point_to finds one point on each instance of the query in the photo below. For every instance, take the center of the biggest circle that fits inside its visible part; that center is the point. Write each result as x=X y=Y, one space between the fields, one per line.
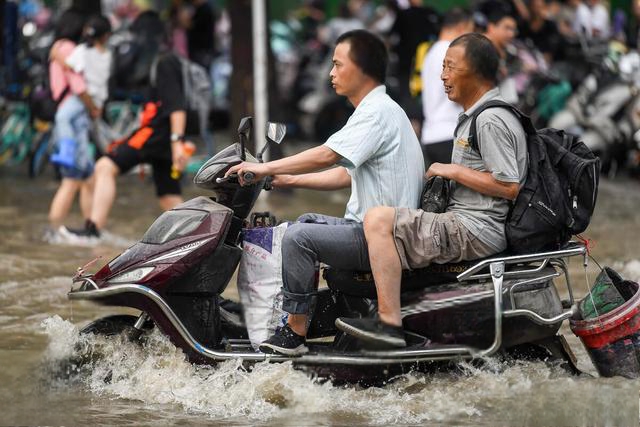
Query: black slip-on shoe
x=285 y=342
x=90 y=230
x=372 y=330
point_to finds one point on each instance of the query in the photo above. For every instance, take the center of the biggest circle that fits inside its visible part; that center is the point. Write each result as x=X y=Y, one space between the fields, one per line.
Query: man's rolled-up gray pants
x=338 y=242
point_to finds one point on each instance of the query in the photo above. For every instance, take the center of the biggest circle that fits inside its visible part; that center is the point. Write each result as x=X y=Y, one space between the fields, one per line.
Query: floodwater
x=154 y=385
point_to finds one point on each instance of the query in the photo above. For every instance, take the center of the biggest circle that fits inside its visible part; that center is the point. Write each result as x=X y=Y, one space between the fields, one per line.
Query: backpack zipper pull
x=575 y=202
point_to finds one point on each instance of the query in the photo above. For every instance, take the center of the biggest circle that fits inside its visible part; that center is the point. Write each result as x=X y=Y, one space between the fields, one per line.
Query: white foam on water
x=107 y=238
x=66 y=336
x=631 y=270
x=156 y=373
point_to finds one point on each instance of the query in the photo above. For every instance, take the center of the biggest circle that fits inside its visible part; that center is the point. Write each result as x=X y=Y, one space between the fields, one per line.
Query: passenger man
x=378 y=156
x=482 y=184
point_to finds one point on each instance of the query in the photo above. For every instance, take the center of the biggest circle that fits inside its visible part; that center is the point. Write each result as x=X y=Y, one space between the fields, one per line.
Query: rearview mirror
x=243 y=133
x=245 y=126
x=276 y=132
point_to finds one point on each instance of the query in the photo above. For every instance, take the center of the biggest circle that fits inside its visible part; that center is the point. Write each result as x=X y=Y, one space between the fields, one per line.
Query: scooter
x=603 y=111
x=177 y=271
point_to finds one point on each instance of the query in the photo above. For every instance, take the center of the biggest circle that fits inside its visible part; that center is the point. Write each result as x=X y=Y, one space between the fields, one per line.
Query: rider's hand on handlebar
x=259 y=170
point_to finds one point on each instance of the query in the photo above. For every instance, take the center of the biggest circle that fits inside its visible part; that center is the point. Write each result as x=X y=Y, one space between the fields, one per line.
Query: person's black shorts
x=126 y=157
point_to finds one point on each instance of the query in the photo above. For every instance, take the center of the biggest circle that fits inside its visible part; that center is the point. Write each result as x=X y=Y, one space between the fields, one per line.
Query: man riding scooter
x=378 y=156
x=482 y=184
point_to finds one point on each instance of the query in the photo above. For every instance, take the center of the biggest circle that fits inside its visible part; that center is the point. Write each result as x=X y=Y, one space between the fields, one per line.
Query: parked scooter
x=177 y=271
x=603 y=111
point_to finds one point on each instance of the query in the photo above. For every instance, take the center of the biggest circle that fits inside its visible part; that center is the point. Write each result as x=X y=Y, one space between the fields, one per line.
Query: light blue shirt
x=381 y=152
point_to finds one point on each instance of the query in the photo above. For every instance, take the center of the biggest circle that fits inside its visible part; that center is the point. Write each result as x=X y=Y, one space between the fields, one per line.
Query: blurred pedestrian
x=93 y=59
x=440 y=114
x=502 y=29
x=633 y=25
x=600 y=20
x=581 y=19
x=71 y=127
x=413 y=25
x=542 y=31
x=200 y=34
x=159 y=141
x=180 y=20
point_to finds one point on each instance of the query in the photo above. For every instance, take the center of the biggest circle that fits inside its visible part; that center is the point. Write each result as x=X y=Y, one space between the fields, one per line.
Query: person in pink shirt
x=71 y=128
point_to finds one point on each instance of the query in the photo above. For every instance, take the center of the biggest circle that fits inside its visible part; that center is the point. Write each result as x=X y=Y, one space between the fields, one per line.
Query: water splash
x=156 y=372
x=107 y=238
x=631 y=270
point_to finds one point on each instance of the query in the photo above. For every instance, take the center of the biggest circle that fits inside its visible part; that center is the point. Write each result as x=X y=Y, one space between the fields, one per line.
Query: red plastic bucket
x=613 y=339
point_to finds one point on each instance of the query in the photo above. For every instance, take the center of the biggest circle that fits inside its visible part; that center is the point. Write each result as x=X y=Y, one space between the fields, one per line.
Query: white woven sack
x=260 y=281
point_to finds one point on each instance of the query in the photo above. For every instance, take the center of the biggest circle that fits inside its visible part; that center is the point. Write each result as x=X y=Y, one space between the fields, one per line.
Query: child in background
x=93 y=59
x=86 y=69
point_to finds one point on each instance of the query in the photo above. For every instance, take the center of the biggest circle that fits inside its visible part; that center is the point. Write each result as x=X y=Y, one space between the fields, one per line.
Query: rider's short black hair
x=368 y=52
x=481 y=55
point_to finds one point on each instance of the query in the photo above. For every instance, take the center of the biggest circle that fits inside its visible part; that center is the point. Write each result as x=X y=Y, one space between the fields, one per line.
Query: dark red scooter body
x=177 y=271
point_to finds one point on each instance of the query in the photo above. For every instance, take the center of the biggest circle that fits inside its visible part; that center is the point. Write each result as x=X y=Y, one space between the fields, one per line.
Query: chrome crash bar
x=352 y=359
x=497 y=273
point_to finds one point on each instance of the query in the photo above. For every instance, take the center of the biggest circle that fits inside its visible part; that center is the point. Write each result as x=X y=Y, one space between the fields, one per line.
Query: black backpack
x=560 y=191
x=42 y=103
x=196 y=85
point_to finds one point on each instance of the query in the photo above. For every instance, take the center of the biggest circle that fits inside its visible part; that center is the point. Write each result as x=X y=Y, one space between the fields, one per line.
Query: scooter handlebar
x=226 y=178
x=267 y=183
x=248 y=177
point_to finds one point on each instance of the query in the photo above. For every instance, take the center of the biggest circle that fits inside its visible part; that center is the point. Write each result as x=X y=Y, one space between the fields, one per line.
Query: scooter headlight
x=132 y=276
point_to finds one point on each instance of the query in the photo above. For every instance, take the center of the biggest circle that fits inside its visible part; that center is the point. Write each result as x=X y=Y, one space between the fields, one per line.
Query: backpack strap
x=524 y=120
x=64 y=93
x=153 y=71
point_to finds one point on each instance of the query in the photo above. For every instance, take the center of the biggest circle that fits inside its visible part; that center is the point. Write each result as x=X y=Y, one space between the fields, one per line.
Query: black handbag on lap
x=435 y=195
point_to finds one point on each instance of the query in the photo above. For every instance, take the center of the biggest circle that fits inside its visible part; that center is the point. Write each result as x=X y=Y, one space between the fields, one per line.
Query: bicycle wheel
x=16 y=135
x=9 y=137
x=39 y=157
x=22 y=149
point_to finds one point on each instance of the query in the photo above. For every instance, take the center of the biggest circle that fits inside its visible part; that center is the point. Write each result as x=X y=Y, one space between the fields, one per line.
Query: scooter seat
x=361 y=284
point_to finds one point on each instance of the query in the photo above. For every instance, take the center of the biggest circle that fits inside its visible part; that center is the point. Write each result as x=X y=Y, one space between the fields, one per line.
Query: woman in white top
x=91 y=62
